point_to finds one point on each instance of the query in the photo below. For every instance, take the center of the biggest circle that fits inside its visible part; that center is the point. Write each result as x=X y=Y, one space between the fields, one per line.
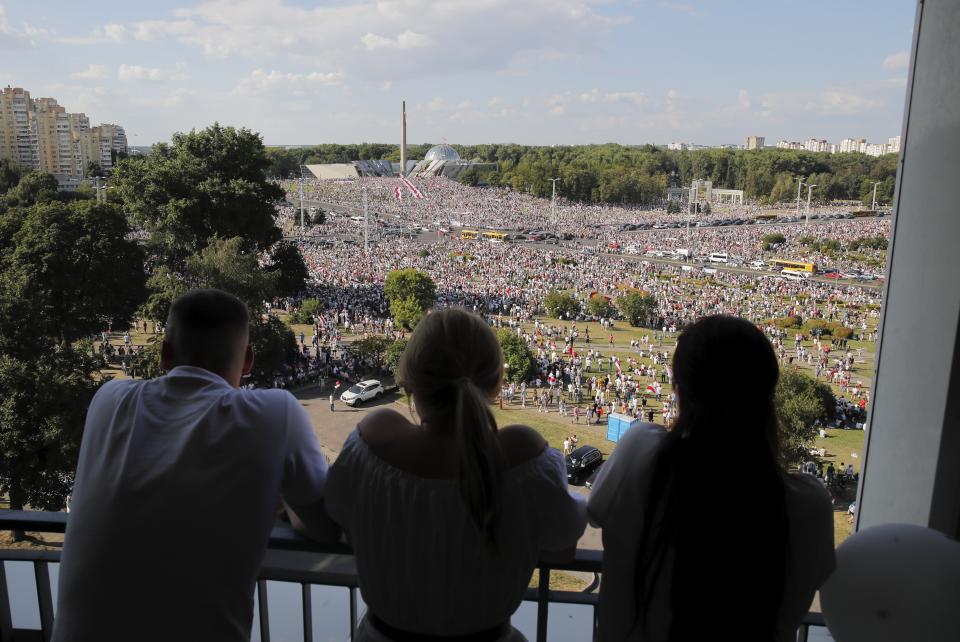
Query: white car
x=362 y=391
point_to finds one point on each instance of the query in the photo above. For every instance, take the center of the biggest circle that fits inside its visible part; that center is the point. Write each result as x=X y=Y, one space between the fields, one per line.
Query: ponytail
x=479 y=460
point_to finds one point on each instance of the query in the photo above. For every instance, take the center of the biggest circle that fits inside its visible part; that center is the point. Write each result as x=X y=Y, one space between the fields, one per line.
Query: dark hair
x=727 y=537
x=453 y=366
x=204 y=328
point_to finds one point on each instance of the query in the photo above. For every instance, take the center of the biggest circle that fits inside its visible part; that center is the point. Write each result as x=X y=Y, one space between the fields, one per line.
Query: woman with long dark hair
x=448 y=516
x=705 y=536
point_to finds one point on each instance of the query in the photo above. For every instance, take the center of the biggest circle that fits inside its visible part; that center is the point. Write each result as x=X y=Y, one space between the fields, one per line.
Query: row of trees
x=637 y=174
x=638 y=308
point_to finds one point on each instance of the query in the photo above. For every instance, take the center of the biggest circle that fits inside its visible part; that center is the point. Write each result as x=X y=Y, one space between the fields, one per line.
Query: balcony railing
x=294 y=559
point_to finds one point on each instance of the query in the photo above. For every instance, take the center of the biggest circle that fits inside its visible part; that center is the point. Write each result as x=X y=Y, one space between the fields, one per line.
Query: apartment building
x=754 y=142
x=40 y=134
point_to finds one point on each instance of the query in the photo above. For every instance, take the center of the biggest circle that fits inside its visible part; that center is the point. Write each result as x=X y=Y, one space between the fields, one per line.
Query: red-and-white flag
x=413 y=190
x=398 y=193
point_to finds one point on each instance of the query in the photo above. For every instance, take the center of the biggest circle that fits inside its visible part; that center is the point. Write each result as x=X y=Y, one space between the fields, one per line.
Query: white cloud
x=92 y=72
x=406 y=40
x=558 y=104
x=449 y=37
x=260 y=82
x=743 y=100
x=899 y=60
x=824 y=102
x=687 y=9
x=114 y=32
x=134 y=73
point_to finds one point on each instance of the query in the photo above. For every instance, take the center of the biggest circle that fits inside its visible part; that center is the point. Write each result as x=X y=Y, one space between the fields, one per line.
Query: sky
x=545 y=72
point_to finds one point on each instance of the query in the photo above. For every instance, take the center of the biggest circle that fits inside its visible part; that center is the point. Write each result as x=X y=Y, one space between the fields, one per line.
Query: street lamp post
x=799 y=186
x=553 y=208
x=874 y=206
x=809 y=194
x=301 y=200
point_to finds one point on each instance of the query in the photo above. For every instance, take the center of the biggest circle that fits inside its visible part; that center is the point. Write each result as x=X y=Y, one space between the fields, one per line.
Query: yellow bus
x=468 y=235
x=797 y=266
x=495 y=237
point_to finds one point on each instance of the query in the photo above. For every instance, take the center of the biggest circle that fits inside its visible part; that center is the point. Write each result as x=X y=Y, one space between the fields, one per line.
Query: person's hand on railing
x=312 y=521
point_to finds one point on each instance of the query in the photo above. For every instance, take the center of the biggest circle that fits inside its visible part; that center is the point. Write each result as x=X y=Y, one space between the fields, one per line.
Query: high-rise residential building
x=40 y=134
x=17 y=143
x=753 y=142
x=893 y=145
x=853 y=145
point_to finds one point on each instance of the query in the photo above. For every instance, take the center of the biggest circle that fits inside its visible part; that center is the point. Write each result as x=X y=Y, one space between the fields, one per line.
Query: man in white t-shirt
x=178 y=487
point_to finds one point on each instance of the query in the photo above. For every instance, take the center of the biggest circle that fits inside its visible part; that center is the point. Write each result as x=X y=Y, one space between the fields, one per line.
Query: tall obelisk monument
x=403 y=138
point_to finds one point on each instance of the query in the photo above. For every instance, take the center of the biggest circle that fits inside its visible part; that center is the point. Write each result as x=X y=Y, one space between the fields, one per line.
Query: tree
x=226 y=265
x=308 y=310
x=409 y=292
x=70 y=269
x=289 y=269
x=273 y=346
x=517 y=358
x=209 y=183
x=9 y=175
x=561 y=305
x=406 y=312
x=410 y=283
x=370 y=352
x=163 y=287
x=42 y=410
x=775 y=238
x=637 y=308
x=801 y=402
x=34 y=187
x=600 y=306
x=391 y=358
x=93 y=169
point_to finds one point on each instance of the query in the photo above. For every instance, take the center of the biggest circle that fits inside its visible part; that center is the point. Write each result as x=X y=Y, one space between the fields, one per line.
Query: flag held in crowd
x=413 y=190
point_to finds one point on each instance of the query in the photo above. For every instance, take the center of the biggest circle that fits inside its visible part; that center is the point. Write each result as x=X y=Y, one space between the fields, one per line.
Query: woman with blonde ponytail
x=448 y=516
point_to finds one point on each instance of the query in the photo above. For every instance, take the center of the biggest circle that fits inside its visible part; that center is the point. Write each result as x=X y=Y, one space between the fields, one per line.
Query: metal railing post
x=307 y=613
x=353 y=613
x=263 y=610
x=41 y=572
x=6 y=618
x=543 y=600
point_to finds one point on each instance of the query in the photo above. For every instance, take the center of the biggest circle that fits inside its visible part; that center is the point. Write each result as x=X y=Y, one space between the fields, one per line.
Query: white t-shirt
x=617 y=504
x=176 y=492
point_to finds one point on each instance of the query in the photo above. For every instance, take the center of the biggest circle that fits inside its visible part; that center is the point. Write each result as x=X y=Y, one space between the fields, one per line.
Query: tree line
x=636 y=175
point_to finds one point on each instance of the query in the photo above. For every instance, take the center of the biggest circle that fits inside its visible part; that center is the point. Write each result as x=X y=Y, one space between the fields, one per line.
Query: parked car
x=362 y=391
x=593 y=477
x=583 y=461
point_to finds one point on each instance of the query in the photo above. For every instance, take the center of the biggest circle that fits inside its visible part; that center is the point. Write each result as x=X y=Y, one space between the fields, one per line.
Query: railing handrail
x=284 y=538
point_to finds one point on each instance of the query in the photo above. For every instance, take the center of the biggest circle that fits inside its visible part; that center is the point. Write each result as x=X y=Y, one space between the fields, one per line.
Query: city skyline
x=563 y=72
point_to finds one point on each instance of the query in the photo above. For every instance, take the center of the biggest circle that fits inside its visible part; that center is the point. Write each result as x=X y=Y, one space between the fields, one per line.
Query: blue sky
x=471 y=71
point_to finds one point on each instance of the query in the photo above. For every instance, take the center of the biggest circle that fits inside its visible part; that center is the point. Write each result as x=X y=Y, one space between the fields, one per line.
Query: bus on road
x=797 y=266
x=496 y=237
x=468 y=235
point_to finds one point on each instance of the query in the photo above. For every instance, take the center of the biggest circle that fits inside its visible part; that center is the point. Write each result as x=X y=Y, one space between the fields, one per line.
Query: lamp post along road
x=301 y=200
x=809 y=194
x=553 y=208
x=874 y=206
x=799 y=186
